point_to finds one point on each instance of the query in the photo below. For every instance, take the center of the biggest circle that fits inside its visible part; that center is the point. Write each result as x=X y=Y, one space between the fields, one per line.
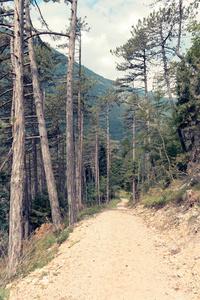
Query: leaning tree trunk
x=53 y=197
x=108 y=156
x=69 y=118
x=17 y=175
x=134 y=199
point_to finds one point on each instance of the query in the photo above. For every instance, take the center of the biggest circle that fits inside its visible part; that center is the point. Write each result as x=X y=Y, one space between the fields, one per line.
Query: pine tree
x=69 y=117
x=18 y=170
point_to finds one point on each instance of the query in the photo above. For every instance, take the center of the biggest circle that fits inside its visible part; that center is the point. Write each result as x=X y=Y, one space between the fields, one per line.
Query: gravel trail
x=109 y=256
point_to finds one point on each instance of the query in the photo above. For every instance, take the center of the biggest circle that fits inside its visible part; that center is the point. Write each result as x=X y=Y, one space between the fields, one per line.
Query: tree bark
x=151 y=160
x=97 y=185
x=134 y=199
x=179 y=29
x=80 y=137
x=42 y=174
x=108 y=155
x=34 y=153
x=17 y=175
x=53 y=198
x=69 y=118
x=26 y=203
x=165 y=150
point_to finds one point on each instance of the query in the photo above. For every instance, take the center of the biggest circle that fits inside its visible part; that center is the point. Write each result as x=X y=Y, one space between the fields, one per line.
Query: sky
x=110 y=24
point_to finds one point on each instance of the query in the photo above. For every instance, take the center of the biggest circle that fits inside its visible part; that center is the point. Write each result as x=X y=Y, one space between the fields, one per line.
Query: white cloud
x=110 y=22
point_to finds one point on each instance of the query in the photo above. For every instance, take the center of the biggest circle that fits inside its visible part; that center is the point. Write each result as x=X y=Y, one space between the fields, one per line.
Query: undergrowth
x=4 y=294
x=113 y=203
x=89 y=211
x=159 y=198
x=38 y=251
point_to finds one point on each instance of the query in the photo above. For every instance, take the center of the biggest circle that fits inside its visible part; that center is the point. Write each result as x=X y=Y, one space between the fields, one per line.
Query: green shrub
x=113 y=203
x=38 y=253
x=89 y=211
x=4 y=294
x=155 y=201
x=163 y=197
x=64 y=236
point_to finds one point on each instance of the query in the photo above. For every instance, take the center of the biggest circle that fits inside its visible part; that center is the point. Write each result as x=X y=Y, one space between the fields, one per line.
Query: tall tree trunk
x=30 y=179
x=166 y=73
x=53 y=197
x=97 y=185
x=26 y=203
x=108 y=155
x=63 y=182
x=42 y=174
x=85 y=184
x=138 y=184
x=34 y=152
x=167 y=80
x=69 y=118
x=17 y=175
x=165 y=150
x=151 y=160
x=134 y=199
x=14 y=83
x=80 y=137
x=58 y=156
x=179 y=29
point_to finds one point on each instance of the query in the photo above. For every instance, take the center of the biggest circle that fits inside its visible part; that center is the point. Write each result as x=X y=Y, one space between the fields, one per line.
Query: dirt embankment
x=119 y=254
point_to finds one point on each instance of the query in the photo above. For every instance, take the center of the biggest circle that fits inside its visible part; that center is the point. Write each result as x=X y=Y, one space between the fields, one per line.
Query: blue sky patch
x=92 y=3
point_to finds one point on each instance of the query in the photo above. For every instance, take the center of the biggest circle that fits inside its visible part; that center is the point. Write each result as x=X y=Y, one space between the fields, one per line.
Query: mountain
x=99 y=89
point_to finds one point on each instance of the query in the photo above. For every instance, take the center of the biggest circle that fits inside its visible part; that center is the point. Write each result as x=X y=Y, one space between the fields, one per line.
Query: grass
x=155 y=201
x=38 y=254
x=4 y=294
x=175 y=194
x=40 y=250
x=89 y=211
x=64 y=236
x=43 y=274
x=113 y=203
x=93 y=210
x=123 y=194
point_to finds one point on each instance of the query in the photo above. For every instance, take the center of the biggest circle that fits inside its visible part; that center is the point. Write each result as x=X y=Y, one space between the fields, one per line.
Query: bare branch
x=4 y=32
x=3 y=76
x=5 y=103
x=43 y=20
x=40 y=33
x=32 y=137
x=7 y=158
x=10 y=90
x=7 y=14
x=27 y=95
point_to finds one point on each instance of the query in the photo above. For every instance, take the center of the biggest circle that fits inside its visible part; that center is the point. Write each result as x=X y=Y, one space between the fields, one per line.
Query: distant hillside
x=116 y=126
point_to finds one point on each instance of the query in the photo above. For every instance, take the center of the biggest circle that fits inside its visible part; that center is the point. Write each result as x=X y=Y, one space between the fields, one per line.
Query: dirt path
x=110 y=256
